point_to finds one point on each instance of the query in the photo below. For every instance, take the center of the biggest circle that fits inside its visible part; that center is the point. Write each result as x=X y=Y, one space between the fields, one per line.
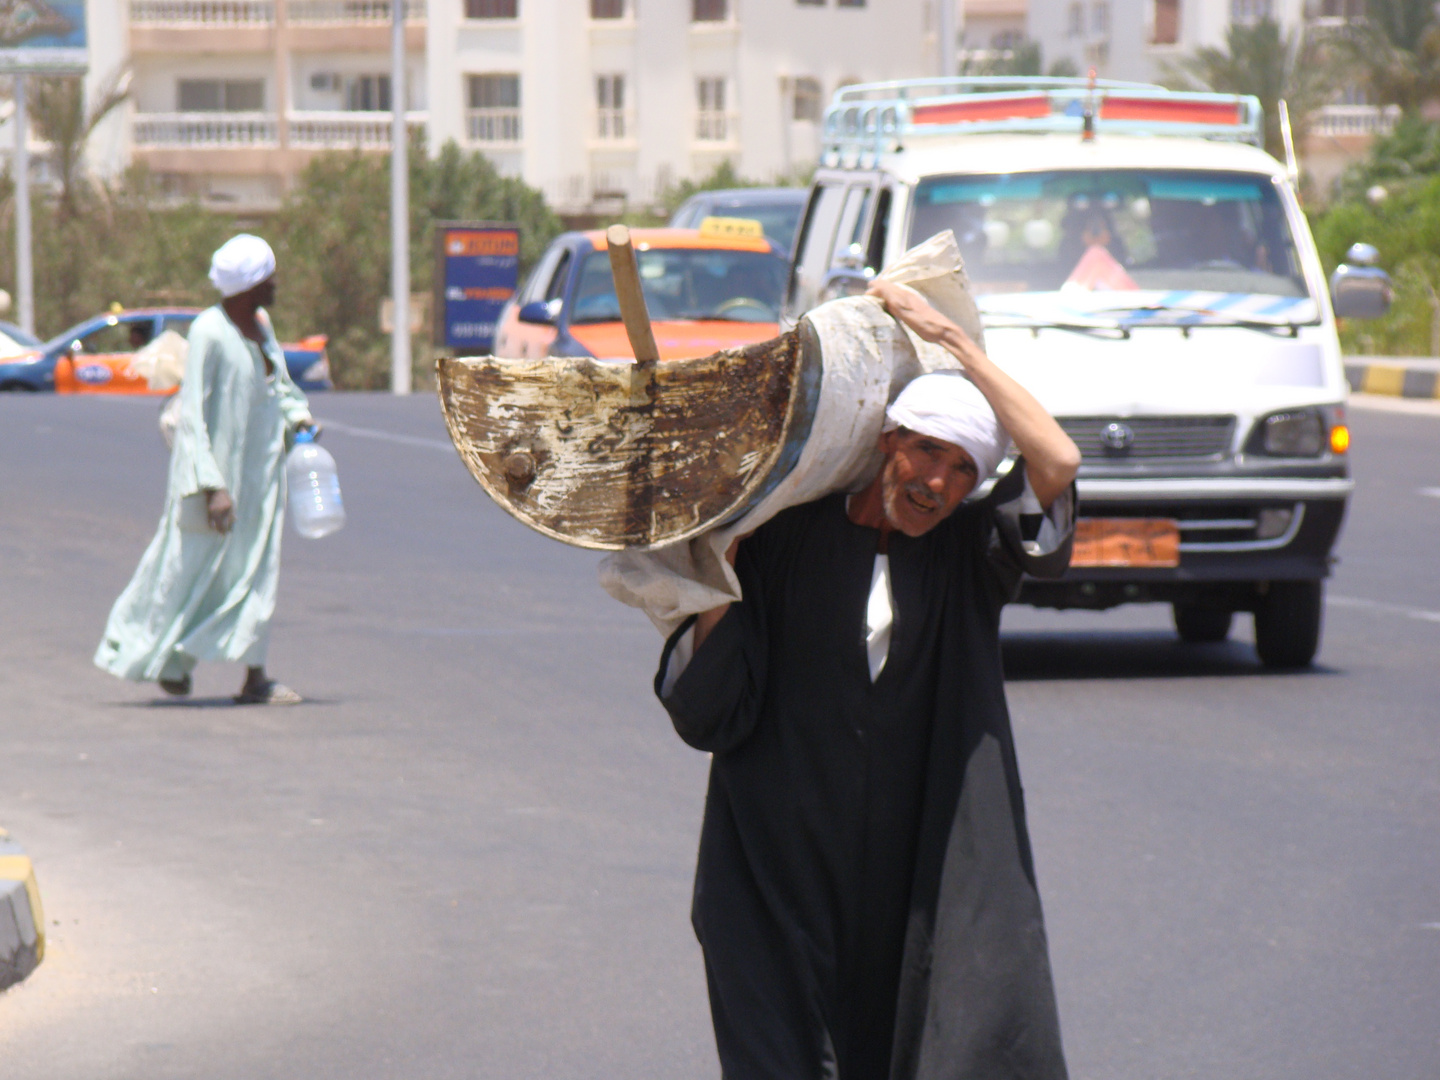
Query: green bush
x=1405 y=228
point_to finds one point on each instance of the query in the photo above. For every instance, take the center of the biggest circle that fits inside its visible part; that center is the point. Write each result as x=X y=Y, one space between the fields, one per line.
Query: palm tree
x=1395 y=51
x=1260 y=59
x=60 y=118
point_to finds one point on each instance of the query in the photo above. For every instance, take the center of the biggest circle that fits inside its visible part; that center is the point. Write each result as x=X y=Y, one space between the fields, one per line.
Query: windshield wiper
x=1007 y=320
x=1210 y=317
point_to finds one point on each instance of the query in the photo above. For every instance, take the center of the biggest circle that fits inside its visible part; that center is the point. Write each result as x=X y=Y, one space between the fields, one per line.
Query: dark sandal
x=176 y=687
x=268 y=693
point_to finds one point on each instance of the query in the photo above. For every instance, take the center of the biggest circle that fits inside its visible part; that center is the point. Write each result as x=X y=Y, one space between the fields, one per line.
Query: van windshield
x=1119 y=231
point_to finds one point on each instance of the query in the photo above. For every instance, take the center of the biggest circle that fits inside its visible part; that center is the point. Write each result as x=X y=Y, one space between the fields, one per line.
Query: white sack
x=868 y=359
x=161 y=362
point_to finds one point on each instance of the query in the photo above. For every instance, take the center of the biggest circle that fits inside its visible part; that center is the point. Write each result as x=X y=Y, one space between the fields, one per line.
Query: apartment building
x=599 y=103
x=604 y=102
x=229 y=99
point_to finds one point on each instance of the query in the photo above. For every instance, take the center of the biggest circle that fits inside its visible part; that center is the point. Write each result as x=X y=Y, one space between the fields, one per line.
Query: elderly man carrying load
x=865 y=897
x=205 y=587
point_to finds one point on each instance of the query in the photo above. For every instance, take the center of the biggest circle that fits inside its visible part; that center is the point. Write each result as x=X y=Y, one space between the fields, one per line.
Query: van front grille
x=1149 y=438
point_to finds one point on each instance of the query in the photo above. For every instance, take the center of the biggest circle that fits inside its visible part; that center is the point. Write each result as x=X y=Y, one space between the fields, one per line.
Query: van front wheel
x=1287 y=623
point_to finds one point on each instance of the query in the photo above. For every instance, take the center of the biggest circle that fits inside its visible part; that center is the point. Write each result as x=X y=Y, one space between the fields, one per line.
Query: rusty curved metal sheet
x=620 y=455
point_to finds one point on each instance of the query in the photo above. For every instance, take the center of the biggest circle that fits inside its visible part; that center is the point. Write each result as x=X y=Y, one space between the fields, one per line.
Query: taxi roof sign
x=732 y=228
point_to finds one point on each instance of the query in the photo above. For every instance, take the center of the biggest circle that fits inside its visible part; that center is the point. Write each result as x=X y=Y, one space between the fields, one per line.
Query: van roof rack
x=869 y=119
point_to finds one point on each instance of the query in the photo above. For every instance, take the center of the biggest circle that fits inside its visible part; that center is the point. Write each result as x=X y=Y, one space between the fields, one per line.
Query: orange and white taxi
x=707 y=289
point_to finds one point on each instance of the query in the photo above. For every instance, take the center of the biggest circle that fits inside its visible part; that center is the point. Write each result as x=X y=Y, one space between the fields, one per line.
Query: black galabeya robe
x=865 y=896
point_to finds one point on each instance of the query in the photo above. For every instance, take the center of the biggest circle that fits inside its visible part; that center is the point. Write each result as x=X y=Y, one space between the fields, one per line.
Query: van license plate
x=1126 y=542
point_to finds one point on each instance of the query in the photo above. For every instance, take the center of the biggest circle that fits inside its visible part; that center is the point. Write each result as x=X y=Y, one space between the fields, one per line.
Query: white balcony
x=349 y=12
x=346 y=130
x=614 y=125
x=493 y=126
x=716 y=126
x=205 y=130
x=1340 y=120
x=205 y=13
x=202 y=12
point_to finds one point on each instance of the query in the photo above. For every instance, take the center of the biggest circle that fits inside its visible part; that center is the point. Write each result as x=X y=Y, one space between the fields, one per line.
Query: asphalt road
x=470 y=854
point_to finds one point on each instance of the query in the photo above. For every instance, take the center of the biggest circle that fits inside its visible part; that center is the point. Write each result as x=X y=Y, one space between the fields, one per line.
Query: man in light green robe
x=205 y=587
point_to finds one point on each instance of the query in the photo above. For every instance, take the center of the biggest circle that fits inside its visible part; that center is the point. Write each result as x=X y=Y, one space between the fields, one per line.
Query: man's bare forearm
x=1051 y=457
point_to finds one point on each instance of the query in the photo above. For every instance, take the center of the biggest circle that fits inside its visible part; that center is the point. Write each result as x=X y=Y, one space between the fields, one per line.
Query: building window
x=710 y=118
x=607 y=9
x=811 y=3
x=709 y=10
x=1249 y=12
x=492 y=9
x=1167 y=23
x=1075 y=20
x=368 y=93
x=610 y=106
x=494 y=113
x=849 y=3
x=1100 y=18
x=807 y=100
x=220 y=95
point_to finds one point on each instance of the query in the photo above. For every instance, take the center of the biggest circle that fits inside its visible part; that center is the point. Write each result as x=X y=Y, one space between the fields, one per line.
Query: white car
x=1143 y=267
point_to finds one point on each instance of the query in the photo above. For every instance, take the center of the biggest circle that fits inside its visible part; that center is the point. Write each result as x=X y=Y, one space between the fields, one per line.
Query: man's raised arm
x=1051 y=458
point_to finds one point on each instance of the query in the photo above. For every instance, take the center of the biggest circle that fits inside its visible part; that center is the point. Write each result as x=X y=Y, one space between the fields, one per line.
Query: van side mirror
x=1359 y=289
x=541 y=312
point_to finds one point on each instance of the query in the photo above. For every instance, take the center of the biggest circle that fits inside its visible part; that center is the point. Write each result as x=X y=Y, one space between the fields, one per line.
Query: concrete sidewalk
x=1394 y=376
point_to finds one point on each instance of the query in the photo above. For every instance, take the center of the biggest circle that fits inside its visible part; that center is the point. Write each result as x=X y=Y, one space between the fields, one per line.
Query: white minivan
x=1144 y=267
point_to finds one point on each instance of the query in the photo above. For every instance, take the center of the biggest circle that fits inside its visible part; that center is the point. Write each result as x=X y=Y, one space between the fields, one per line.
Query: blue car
x=97 y=354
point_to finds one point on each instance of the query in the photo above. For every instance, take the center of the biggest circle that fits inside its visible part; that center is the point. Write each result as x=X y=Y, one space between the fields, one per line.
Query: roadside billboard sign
x=477 y=269
x=43 y=37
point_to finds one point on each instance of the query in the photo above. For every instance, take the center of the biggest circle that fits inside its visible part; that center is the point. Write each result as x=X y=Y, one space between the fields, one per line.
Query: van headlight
x=1294 y=433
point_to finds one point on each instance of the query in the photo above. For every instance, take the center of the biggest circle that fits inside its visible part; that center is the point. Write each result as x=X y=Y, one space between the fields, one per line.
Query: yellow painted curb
x=1384 y=379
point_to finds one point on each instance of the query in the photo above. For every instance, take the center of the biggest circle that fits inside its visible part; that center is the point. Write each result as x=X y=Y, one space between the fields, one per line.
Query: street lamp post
x=24 y=269
x=399 y=209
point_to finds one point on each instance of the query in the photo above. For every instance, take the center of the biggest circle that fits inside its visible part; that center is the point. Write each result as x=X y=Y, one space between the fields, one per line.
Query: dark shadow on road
x=223 y=702
x=1134 y=654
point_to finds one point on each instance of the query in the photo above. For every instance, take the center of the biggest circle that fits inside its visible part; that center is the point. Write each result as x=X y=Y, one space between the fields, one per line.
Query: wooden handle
x=630 y=295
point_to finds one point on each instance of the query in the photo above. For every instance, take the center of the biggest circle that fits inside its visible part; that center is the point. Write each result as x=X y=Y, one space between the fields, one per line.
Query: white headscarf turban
x=948 y=406
x=241 y=263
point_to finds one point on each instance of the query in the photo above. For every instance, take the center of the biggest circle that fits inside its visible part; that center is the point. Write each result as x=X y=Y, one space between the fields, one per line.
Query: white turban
x=241 y=263
x=948 y=406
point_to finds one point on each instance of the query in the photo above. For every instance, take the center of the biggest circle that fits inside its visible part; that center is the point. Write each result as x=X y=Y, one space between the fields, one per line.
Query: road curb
x=22 y=919
x=1395 y=377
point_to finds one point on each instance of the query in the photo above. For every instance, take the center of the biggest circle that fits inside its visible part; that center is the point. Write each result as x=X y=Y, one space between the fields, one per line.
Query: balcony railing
x=202 y=12
x=714 y=125
x=346 y=130
x=493 y=125
x=349 y=12
x=613 y=125
x=1333 y=120
x=206 y=130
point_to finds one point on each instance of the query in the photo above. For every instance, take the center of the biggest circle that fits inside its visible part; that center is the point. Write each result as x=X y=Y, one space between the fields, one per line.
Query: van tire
x=1202 y=625
x=1287 y=623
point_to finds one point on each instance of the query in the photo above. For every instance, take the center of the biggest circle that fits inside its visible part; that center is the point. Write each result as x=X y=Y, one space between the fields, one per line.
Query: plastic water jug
x=315 y=504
